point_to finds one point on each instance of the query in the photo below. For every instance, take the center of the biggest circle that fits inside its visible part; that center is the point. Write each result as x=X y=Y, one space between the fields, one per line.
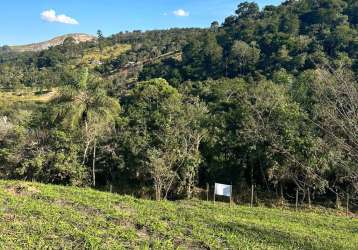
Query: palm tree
x=85 y=105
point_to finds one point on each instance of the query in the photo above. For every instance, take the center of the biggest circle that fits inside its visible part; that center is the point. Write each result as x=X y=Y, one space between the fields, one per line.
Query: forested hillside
x=268 y=98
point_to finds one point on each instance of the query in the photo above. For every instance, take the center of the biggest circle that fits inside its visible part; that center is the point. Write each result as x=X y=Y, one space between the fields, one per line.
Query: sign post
x=223 y=190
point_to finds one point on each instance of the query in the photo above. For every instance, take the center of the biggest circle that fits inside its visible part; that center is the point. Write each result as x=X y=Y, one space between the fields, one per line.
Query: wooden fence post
x=207 y=191
x=252 y=195
x=347 y=205
x=296 y=199
x=231 y=195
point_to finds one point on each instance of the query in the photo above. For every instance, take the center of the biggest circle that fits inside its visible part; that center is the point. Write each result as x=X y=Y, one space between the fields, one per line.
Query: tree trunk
x=87 y=143
x=226 y=67
x=189 y=191
x=304 y=194
x=309 y=197
x=281 y=194
x=158 y=192
x=85 y=153
x=263 y=174
x=94 y=164
x=338 y=202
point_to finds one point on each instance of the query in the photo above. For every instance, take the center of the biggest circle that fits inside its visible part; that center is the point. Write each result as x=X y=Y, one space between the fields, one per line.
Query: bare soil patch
x=22 y=190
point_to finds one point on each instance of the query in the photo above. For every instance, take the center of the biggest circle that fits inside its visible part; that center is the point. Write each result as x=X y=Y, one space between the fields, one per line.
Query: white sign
x=222 y=189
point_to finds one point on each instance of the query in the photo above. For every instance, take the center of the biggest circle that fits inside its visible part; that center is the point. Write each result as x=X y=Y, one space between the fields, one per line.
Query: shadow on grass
x=276 y=238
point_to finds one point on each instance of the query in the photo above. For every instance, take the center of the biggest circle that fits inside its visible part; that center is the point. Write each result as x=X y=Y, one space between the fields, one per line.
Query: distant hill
x=78 y=37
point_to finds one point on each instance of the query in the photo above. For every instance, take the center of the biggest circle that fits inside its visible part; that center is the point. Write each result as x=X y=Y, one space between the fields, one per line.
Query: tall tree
x=163 y=134
x=86 y=106
x=337 y=95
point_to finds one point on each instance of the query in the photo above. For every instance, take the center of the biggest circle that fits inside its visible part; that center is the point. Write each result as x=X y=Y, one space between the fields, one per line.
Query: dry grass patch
x=22 y=190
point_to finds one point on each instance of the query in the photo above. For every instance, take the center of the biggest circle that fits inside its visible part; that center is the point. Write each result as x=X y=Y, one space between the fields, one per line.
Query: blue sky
x=27 y=21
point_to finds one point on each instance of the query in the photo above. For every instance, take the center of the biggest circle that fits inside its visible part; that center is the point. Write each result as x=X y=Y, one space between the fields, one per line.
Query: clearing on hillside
x=28 y=96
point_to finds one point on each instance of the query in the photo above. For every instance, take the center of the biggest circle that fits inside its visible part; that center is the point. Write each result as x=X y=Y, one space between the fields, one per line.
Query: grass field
x=27 y=96
x=37 y=216
x=107 y=53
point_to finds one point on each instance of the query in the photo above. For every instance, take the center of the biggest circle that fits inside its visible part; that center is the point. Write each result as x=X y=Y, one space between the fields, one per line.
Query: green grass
x=107 y=53
x=37 y=216
x=27 y=96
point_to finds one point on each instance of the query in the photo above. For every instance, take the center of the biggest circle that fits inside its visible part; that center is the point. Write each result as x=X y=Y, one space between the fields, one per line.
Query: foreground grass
x=36 y=216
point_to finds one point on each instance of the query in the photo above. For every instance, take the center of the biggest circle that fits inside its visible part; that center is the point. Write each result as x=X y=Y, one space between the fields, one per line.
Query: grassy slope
x=107 y=53
x=33 y=216
x=29 y=96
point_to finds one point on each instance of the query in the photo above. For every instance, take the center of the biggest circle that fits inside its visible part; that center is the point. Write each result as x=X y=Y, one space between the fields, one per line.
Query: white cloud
x=50 y=16
x=181 y=13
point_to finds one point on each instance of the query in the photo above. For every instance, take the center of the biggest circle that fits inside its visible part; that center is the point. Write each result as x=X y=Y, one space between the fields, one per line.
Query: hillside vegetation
x=266 y=100
x=36 y=216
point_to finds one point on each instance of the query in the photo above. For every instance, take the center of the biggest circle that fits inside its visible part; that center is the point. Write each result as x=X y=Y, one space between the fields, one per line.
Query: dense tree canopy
x=268 y=98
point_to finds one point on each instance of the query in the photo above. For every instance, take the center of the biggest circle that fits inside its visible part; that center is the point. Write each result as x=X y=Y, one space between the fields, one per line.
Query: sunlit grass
x=94 y=55
x=27 y=96
x=35 y=216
